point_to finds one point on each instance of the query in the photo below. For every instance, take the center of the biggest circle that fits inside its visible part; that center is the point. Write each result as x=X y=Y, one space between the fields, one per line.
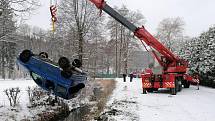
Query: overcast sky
x=198 y=15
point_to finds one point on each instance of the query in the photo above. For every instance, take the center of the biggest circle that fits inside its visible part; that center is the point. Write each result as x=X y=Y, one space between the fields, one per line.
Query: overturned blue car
x=62 y=79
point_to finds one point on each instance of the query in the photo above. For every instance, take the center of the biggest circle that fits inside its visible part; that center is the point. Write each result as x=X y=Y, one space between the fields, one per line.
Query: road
x=127 y=103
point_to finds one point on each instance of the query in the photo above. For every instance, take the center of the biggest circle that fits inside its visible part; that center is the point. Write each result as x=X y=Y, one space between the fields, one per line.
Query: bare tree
x=170 y=30
x=122 y=39
x=78 y=16
x=12 y=95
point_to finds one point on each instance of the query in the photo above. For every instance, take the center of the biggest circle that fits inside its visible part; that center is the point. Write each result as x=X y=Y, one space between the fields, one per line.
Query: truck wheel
x=155 y=89
x=77 y=63
x=65 y=74
x=186 y=84
x=173 y=91
x=150 y=90
x=64 y=63
x=144 y=91
x=179 y=84
x=179 y=88
x=43 y=55
x=25 y=56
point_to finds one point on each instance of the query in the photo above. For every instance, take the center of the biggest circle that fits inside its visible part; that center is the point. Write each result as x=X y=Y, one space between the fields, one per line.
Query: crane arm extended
x=139 y=32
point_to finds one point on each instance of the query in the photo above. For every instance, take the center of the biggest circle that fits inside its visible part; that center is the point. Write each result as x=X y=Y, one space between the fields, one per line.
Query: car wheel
x=25 y=56
x=65 y=74
x=43 y=55
x=77 y=63
x=64 y=63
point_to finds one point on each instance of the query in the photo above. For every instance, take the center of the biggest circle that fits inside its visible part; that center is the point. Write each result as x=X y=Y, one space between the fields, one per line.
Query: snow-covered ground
x=129 y=104
x=21 y=111
x=23 y=84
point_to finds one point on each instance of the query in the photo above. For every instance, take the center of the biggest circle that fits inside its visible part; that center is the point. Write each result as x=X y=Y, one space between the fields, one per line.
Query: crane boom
x=139 y=32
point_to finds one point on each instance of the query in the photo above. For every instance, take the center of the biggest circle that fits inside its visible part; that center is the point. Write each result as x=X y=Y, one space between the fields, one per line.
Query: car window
x=60 y=89
x=37 y=78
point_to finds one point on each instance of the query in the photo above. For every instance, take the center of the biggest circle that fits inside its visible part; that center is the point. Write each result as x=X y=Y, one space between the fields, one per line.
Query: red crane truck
x=174 y=73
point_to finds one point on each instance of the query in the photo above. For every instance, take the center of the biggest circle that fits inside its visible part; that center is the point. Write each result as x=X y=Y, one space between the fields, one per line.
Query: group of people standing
x=131 y=75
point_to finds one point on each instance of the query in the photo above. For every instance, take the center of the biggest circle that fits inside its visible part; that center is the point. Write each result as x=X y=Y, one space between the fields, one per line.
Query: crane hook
x=53 y=10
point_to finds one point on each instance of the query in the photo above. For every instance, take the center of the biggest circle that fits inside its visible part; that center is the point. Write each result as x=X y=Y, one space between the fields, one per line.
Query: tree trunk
x=3 y=61
x=120 y=50
x=80 y=47
x=126 y=39
x=116 y=53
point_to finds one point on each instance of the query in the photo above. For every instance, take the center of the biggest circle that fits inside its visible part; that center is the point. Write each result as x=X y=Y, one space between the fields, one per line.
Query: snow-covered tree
x=11 y=10
x=7 y=45
x=200 y=52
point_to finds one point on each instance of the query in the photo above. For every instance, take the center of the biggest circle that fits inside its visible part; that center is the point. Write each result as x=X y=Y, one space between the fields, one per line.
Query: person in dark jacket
x=124 y=77
x=131 y=76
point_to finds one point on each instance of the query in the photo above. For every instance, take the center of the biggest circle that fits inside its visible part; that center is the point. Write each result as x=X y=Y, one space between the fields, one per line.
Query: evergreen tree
x=7 y=45
x=200 y=52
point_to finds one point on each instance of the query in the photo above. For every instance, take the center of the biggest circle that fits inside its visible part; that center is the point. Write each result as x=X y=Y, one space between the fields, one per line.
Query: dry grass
x=107 y=89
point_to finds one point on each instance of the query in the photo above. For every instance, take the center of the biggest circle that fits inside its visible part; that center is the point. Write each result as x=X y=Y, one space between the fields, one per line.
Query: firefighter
x=196 y=76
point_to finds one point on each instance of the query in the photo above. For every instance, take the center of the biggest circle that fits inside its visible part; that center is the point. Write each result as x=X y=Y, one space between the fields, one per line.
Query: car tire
x=25 y=56
x=44 y=55
x=77 y=63
x=64 y=63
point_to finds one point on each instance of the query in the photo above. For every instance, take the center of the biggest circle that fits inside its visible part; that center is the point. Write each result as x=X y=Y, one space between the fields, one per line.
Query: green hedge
x=207 y=80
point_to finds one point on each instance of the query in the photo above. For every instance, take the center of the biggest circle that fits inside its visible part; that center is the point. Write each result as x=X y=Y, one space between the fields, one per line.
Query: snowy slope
x=128 y=104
